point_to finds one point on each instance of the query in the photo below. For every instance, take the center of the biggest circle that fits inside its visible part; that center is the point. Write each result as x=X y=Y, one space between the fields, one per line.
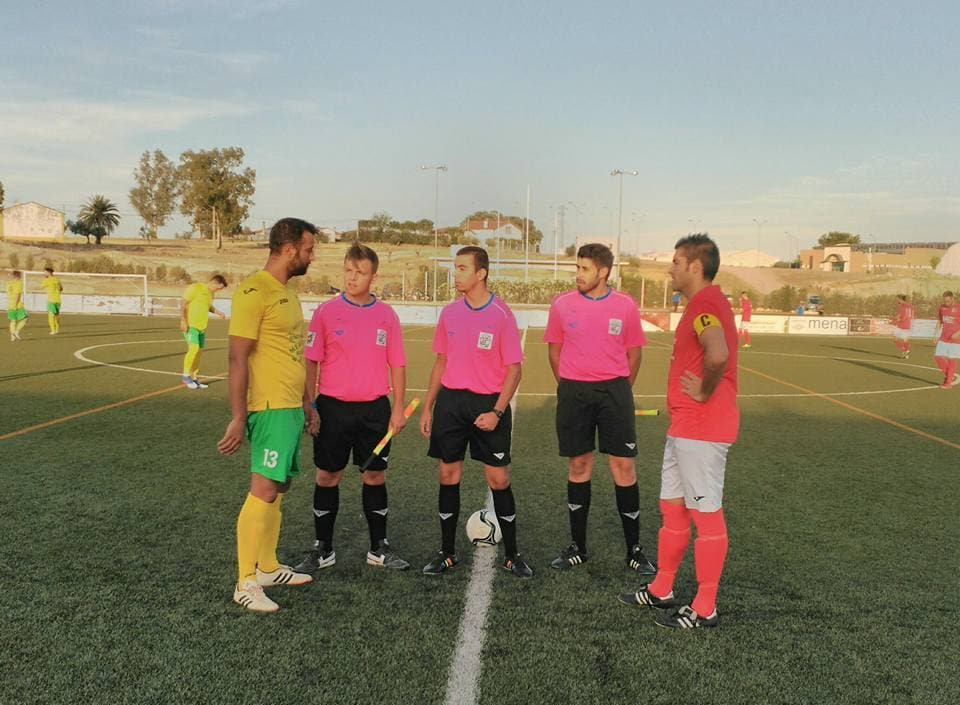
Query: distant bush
x=14 y=260
x=30 y=263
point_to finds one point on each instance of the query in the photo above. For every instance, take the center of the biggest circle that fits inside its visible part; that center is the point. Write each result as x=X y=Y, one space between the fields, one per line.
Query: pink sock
x=709 y=554
x=672 y=543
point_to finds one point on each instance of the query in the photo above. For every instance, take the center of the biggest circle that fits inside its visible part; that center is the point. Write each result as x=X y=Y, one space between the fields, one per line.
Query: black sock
x=578 y=503
x=506 y=510
x=375 y=509
x=326 y=503
x=449 y=505
x=628 y=504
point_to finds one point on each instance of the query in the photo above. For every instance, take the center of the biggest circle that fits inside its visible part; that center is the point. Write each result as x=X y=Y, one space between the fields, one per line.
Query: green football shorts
x=53 y=308
x=17 y=314
x=195 y=336
x=274 y=436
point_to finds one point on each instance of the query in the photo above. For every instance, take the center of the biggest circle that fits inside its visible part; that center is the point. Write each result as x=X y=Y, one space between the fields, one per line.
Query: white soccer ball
x=483 y=529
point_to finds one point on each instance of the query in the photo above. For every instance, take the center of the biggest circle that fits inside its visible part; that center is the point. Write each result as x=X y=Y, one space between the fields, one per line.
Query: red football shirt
x=904 y=316
x=949 y=317
x=718 y=418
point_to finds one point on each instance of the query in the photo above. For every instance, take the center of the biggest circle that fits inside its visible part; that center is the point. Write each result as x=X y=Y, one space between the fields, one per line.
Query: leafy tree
x=570 y=250
x=215 y=179
x=98 y=218
x=934 y=261
x=1 y=195
x=155 y=195
x=838 y=238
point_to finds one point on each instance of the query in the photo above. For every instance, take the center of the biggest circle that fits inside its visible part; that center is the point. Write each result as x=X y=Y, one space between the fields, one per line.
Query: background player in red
x=595 y=337
x=704 y=421
x=746 y=314
x=903 y=321
x=475 y=374
x=948 y=344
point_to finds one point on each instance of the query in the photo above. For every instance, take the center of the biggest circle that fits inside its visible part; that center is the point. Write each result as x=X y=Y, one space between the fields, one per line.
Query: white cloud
x=74 y=121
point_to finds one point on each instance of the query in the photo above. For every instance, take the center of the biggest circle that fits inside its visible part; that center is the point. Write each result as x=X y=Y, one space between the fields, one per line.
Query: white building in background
x=31 y=221
x=486 y=229
x=950 y=262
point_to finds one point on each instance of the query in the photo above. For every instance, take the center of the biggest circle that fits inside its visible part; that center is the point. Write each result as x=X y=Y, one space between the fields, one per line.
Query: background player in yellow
x=195 y=310
x=54 y=288
x=270 y=406
x=16 y=312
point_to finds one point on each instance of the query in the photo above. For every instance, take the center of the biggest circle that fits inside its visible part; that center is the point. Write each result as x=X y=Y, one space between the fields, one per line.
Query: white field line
x=465 y=667
x=80 y=355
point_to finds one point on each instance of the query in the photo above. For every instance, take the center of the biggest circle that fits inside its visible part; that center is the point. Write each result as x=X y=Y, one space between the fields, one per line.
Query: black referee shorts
x=453 y=429
x=587 y=410
x=350 y=427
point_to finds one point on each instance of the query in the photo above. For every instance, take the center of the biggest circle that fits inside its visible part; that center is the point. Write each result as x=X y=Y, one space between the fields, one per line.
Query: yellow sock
x=56 y=323
x=189 y=359
x=52 y=322
x=267 y=561
x=20 y=324
x=252 y=524
x=13 y=327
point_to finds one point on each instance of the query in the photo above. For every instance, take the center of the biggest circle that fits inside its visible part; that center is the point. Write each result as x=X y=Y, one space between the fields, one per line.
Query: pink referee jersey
x=355 y=346
x=479 y=344
x=594 y=334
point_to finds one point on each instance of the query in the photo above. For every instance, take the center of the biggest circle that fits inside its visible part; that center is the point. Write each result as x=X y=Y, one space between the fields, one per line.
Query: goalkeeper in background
x=195 y=310
x=54 y=288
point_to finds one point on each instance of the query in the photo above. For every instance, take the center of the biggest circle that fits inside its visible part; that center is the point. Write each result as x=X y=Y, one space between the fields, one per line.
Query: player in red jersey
x=948 y=343
x=902 y=322
x=746 y=314
x=704 y=421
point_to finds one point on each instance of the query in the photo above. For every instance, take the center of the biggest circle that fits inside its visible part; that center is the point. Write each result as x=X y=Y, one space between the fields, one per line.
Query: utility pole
x=436 y=206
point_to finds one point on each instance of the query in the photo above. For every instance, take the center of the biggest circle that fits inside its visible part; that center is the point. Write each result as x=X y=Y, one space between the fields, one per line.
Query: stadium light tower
x=620 y=173
x=760 y=223
x=436 y=205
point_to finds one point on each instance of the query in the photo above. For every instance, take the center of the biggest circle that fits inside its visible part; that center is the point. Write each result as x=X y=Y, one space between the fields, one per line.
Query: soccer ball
x=483 y=528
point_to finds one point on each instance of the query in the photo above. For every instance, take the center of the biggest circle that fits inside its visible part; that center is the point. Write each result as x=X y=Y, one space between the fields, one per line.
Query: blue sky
x=809 y=116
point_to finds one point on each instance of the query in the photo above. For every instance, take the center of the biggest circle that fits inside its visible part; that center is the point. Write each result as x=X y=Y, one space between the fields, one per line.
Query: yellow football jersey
x=199 y=299
x=14 y=291
x=268 y=312
x=53 y=287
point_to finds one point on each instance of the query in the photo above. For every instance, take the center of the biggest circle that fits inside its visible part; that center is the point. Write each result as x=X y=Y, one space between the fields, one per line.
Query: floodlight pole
x=436 y=204
x=760 y=224
x=616 y=254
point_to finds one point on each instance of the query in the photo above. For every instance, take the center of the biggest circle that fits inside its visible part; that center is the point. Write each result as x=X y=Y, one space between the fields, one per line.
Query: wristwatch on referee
x=499 y=414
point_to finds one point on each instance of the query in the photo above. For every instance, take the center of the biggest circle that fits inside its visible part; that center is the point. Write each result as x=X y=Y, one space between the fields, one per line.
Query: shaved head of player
x=474 y=377
x=704 y=421
x=594 y=338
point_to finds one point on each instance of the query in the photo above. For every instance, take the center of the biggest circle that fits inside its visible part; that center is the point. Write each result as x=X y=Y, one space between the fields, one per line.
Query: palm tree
x=99 y=216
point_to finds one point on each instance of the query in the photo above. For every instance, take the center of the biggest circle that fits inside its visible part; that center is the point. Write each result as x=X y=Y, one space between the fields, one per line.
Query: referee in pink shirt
x=354 y=353
x=476 y=372
x=595 y=338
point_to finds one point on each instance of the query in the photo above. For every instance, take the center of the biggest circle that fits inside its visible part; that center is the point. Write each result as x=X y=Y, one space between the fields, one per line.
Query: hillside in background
x=405 y=266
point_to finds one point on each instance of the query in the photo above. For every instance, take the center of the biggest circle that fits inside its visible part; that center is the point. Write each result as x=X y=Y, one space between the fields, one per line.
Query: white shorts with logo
x=694 y=470
x=901 y=333
x=945 y=349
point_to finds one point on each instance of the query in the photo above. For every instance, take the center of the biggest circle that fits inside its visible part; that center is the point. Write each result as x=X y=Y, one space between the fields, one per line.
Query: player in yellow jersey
x=54 y=288
x=270 y=406
x=195 y=309
x=16 y=310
